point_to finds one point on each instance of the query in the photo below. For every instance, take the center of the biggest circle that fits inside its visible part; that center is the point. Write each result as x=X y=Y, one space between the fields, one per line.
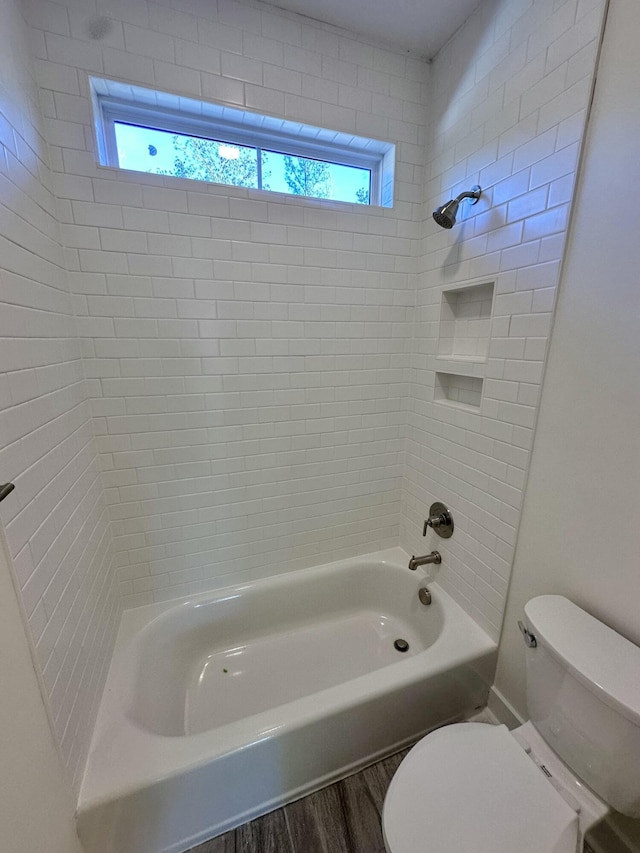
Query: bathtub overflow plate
x=401 y=645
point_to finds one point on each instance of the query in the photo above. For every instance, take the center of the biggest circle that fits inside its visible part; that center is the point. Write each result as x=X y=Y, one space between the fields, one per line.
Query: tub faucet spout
x=433 y=557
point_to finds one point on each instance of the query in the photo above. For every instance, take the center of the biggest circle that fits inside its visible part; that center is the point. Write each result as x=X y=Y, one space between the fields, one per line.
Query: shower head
x=445 y=215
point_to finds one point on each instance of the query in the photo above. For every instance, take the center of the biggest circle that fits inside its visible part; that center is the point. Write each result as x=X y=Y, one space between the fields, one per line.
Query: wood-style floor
x=343 y=818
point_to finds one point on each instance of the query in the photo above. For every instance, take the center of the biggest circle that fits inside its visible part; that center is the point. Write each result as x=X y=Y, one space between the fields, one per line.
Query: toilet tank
x=583 y=696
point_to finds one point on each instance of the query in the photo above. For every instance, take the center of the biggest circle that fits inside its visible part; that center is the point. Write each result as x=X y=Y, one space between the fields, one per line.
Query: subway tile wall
x=247 y=355
x=56 y=520
x=510 y=97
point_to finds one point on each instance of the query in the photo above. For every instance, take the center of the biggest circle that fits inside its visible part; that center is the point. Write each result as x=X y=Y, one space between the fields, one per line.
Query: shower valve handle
x=5 y=490
x=439 y=520
x=434 y=522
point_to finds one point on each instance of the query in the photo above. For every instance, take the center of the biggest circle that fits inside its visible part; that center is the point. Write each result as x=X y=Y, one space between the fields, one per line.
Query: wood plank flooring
x=343 y=818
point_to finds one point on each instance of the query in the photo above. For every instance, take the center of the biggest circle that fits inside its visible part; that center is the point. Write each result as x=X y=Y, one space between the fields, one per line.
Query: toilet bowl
x=480 y=788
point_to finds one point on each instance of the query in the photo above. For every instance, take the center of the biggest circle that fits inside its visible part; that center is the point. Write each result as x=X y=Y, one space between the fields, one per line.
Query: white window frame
x=227 y=124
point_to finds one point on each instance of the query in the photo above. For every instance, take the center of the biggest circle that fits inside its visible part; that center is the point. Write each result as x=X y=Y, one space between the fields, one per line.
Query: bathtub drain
x=401 y=645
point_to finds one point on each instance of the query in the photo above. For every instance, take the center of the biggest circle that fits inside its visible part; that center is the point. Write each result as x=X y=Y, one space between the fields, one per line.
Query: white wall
x=246 y=353
x=36 y=804
x=510 y=95
x=56 y=520
x=580 y=535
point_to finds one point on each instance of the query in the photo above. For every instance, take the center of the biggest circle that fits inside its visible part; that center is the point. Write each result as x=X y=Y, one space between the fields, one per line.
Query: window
x=155 y=132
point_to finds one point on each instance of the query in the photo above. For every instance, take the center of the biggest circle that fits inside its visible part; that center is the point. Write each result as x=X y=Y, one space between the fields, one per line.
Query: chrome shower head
x=445 y=215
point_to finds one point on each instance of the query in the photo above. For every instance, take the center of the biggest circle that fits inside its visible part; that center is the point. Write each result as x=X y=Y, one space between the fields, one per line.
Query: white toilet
x=478 y=788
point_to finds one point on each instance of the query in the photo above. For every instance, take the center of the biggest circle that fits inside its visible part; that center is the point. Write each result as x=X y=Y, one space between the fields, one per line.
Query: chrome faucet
x=433 y=557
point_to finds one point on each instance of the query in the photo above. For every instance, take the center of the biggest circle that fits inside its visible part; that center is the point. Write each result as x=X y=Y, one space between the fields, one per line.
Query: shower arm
x=474 y=194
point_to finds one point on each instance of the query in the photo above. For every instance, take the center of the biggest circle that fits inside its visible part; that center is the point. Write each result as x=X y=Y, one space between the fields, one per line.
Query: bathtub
x=223 y=706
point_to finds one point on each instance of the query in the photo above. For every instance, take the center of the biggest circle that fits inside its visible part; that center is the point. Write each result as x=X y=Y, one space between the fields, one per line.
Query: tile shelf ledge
x=463 y=407
x=463 y=359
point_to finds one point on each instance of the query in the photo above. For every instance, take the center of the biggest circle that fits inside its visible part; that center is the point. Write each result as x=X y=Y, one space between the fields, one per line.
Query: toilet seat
x=470 y=788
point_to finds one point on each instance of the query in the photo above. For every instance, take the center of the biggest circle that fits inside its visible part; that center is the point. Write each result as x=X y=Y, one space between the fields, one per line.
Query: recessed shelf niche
x=465 y=323
x=464 y=392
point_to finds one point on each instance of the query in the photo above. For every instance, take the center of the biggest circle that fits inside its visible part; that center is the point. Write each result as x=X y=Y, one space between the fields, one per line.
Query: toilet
x=479 y=788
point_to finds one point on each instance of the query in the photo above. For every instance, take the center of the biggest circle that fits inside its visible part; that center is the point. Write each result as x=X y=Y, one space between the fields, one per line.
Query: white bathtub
x=223 y=706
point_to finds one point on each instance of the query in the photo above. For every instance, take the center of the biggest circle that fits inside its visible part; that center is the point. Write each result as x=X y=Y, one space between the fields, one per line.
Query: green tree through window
x=183 y=156
x=308 y=177
x=220 y=163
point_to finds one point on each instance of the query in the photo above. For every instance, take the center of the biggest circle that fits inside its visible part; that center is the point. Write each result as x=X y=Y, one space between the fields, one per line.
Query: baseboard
x=606 y=837
x=502 y=710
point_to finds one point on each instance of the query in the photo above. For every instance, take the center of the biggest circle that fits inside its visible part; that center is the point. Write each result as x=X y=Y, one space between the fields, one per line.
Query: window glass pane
x=144 y=149
x=285 y=173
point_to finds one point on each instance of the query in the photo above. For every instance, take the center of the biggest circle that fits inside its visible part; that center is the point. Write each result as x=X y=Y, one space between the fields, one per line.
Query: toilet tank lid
x=603 y=660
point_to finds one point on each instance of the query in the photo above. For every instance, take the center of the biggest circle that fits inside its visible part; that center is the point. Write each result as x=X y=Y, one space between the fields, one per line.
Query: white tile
x=144 y=42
